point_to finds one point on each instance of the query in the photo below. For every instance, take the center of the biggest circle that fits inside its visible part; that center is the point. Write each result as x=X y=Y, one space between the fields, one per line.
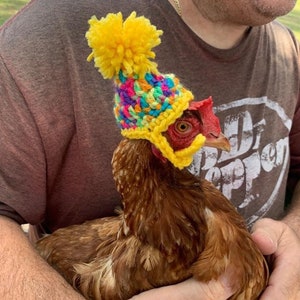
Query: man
x=56 y=112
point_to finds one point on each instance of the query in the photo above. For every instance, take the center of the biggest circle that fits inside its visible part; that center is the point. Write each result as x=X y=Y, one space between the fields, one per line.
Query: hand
x=189 y=290
x=278 y=240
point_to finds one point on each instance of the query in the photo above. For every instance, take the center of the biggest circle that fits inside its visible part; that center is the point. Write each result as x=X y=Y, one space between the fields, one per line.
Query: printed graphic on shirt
x=255 y=169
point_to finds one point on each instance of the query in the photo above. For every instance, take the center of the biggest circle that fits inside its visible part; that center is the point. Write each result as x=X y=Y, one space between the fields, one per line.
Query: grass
x=10 y=7
x=292 y=20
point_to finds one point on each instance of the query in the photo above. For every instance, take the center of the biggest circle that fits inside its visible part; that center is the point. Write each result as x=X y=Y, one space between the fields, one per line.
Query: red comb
x=195 y=105
x=211 y=123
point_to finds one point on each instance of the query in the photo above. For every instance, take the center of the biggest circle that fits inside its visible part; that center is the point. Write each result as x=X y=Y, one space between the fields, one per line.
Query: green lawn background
x=10 y=7
x=292 y=20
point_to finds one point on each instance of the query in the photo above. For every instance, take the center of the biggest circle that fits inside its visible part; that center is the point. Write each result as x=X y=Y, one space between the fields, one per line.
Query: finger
x=188 y=290
x=214 y=289
x=266 y=233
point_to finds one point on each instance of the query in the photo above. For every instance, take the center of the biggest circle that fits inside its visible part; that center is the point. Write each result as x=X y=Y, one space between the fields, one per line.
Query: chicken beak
x=220 y=142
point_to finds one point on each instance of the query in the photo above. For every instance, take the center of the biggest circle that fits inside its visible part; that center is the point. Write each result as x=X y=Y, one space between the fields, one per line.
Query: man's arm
x=23 y=273
x=293 y=216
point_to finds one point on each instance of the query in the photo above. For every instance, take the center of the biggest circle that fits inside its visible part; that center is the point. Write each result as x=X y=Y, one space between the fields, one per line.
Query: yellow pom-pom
x=126 y=46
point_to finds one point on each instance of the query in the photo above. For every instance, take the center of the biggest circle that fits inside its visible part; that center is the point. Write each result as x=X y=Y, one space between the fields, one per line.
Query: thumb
x=265 y=233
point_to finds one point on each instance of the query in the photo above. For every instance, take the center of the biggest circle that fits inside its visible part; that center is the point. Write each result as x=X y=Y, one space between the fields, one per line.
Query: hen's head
x=199 y=118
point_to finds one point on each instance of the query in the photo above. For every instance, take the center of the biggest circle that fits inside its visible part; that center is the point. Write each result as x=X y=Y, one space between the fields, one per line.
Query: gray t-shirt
x=58 y=131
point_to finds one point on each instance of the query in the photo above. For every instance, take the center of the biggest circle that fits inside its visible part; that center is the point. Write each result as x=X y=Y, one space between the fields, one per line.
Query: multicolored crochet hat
x=146 y=101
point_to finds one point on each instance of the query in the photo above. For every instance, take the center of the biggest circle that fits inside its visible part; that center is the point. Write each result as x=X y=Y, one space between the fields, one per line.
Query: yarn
x=126 y=46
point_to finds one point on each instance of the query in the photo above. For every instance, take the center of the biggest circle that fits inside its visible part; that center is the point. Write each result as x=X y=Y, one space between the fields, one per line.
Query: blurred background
x=10 y=7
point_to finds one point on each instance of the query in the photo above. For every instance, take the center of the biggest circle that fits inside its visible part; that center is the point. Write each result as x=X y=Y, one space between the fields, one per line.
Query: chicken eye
x=182 y=126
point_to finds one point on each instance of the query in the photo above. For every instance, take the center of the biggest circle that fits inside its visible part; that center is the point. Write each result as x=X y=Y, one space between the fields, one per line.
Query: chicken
x=173 y=225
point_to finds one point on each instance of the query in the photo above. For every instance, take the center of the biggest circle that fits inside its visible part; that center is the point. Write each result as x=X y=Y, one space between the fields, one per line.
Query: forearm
x=23 y=273
x=292 y=217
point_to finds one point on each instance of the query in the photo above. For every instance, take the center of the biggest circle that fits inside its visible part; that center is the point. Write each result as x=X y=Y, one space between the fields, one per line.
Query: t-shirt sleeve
x=7 y=211
x=294 y=175
x=22 y=161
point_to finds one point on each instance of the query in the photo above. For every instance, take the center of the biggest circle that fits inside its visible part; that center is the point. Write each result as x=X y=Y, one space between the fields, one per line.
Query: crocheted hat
x=146 y=101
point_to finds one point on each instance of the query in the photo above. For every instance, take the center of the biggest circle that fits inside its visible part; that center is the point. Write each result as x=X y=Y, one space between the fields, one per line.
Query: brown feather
x=77 y=244
x=173 y=226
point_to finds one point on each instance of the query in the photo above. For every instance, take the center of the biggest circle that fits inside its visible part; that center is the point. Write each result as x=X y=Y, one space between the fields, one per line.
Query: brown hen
x=173 y=225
